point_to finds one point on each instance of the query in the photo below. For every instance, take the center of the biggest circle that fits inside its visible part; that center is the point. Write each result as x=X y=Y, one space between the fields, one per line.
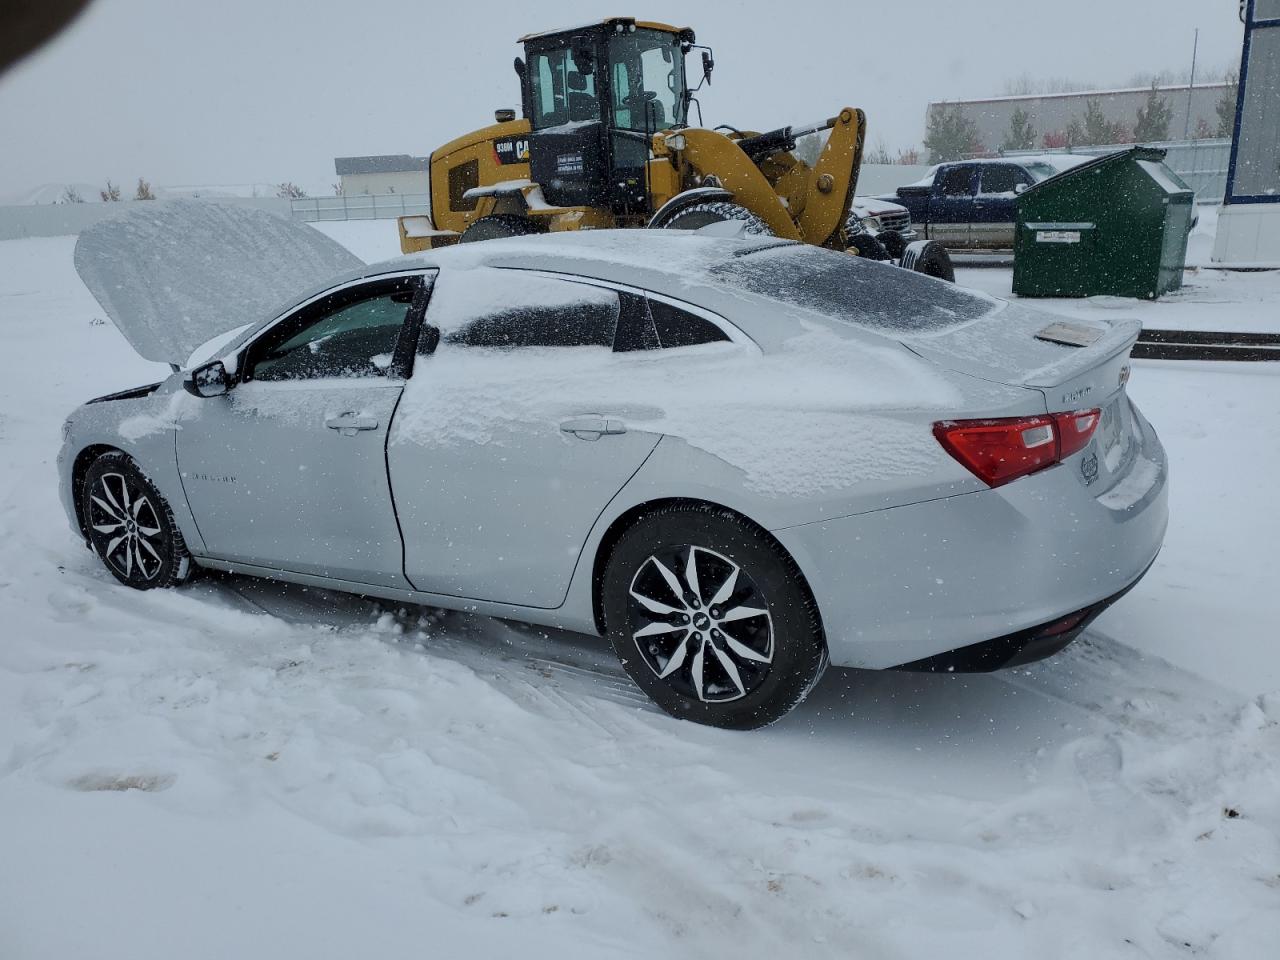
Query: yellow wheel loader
x=605 y=141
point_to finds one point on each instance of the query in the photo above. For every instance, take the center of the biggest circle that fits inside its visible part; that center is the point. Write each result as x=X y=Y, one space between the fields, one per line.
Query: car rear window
x=853 y=290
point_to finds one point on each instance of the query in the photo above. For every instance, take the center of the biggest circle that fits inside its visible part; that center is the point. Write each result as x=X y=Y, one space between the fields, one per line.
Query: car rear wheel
x=130 y=526
x=711 y=618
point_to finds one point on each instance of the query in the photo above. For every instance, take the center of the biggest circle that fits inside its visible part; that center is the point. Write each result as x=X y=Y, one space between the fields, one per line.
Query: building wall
x=1052 y=113
x=413 y=182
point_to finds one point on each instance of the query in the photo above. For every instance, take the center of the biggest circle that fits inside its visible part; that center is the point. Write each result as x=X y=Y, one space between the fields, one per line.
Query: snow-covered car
x=738 y=459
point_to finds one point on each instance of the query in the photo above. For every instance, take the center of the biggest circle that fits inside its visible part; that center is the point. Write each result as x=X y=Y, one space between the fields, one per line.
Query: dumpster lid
x=1150 y=159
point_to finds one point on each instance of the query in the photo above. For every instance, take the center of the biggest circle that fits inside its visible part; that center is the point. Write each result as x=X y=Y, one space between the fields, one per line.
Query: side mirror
x=708 y=64
x=209 y=380
x=584 y=60
x=1021 y=187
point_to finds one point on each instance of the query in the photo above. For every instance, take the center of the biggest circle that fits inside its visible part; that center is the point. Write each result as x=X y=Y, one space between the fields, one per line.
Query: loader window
x=648 y=80
x=560 y=93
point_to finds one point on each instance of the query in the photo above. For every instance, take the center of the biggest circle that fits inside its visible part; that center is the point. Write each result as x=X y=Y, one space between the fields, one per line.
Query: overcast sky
x=244 y=91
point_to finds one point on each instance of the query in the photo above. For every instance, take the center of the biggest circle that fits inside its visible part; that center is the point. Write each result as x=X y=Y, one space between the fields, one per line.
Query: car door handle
x=593 y=428
x=349 y=424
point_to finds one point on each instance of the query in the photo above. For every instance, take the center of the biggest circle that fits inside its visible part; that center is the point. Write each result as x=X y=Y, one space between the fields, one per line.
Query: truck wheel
x=501 y=225
x=701 y=215
x=930 y=258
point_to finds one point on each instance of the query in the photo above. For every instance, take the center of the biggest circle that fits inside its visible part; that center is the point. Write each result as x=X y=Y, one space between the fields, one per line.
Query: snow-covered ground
x=241 y=769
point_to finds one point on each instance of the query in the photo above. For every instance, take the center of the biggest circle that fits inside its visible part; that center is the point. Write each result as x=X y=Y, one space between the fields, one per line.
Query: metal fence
x=365 y=206
x=1201 y=163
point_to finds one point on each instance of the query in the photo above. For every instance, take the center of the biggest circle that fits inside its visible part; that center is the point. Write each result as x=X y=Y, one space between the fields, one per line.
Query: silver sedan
x=737 y=459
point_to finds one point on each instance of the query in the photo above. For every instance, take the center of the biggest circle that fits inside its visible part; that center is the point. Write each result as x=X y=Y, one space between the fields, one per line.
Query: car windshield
x=853 y=290
x=648 y=80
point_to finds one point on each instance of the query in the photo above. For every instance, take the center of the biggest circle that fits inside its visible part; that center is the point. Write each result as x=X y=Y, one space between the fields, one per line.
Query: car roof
x=674 y=263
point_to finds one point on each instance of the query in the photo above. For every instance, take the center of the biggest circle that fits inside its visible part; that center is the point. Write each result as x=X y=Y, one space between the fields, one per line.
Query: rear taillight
x=1000 y=451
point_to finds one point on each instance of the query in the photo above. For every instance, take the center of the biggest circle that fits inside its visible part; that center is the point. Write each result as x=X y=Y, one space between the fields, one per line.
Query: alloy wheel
x=701 y=624
x=126 y=527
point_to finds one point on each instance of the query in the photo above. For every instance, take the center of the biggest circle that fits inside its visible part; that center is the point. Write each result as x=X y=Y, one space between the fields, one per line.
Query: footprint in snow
x=121 y=782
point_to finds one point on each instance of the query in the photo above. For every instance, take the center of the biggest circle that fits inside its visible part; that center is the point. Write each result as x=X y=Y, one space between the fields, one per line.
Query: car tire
x=130 y=527
x=701 y=654
x=499 y=226
x=699 y=215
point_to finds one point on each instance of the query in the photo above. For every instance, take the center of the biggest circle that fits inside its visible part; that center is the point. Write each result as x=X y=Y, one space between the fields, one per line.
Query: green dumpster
x=1115 y=225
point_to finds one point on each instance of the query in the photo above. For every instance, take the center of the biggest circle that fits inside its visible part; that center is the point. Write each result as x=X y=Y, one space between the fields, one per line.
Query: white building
x=396 y=173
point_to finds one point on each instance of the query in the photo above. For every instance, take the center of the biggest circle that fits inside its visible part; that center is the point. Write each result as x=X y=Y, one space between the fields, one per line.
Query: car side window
x=955 y=182
x=510 y=309
x=680 y=328
x=352 y=333
x=1000 y=178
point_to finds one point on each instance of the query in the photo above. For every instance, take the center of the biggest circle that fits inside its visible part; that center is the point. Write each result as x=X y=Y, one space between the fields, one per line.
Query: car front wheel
x=711 y=618
x=130 y=526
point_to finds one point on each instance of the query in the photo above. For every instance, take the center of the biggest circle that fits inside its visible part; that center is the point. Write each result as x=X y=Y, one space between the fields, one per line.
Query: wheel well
x=629 y=518
x=78 y=470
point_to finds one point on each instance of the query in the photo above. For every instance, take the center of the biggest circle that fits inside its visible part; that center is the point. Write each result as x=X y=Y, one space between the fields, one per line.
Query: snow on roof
x=1078 y=94
x=389 y=163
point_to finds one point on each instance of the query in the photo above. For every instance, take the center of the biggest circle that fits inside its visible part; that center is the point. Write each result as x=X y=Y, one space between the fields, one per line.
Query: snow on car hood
x=172 y=275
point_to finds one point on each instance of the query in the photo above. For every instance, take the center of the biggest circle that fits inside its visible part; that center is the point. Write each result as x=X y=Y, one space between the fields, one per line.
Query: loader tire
x=501 y=225
x=930 y=258
x=701 y=215
x=868 y=247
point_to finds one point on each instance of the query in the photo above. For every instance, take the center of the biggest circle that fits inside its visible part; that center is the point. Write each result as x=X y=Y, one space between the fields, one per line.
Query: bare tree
x=337 y=189
x=878 y=154
x=144 y=191
x=290 y=191
x=111 y=194
x=71 y=195
x=908 y=157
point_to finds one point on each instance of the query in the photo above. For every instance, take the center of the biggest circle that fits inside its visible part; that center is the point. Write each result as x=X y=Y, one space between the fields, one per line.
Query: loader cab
x=594 y=96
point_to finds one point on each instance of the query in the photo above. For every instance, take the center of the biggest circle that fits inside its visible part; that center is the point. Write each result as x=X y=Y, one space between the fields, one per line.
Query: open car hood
x=173 y=274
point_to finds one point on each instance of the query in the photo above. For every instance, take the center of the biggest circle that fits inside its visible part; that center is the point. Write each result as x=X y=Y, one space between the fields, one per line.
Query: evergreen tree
x=1226 y=107
x=951 y=136
x=71 y=195
x=1097 y=128
x=1153 y=119
x=1021 y=135
x=144 y=191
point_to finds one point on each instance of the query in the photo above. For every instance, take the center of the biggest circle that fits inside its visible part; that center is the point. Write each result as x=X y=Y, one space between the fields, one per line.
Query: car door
x=503 y=453
x=951 y=205
x=288 y=470
x=994 y=208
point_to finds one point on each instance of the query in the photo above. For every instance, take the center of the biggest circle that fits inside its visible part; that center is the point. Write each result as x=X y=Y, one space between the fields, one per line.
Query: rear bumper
x=1022 y=647
x=908 y=584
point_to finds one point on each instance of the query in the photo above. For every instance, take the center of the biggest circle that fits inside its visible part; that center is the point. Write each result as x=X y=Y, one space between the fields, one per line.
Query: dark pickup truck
x=971 y=203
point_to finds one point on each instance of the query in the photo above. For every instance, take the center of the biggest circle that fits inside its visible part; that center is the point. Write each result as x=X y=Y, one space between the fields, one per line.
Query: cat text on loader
x=605 y=142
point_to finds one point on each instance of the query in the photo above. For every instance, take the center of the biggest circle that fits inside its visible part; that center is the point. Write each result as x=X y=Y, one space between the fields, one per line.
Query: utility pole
x=1195 y=48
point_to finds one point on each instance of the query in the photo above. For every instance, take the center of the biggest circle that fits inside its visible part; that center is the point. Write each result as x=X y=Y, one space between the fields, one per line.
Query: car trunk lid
x=1024 y=347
